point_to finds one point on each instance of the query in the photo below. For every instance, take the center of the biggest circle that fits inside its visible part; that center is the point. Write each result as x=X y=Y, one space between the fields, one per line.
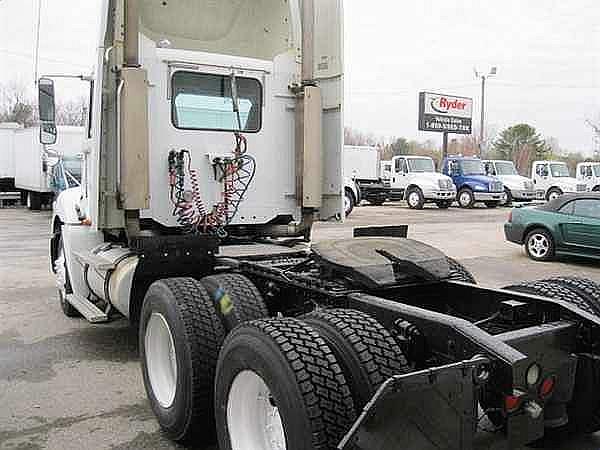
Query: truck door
x=541 y=176
x=400 y=177
x=582 y=227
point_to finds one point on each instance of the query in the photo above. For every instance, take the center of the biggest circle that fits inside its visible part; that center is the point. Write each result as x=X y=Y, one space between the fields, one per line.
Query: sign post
x=445 y=114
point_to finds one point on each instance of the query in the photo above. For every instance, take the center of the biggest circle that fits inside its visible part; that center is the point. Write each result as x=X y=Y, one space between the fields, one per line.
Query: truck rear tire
x=465 y=198
x=279 y=385
x=236 y=298
x=367 y=352
x=588 y=289
x=415 y=198
x=180 y=336
x=458 y=272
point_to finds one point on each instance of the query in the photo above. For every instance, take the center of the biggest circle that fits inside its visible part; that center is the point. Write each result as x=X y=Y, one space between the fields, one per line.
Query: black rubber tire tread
x=325 y=392
x=204 y=335
x=552 y=289
x=584 y=408
x=248 y=303
x=367 y=352
x=588 y=289
x=458 y=272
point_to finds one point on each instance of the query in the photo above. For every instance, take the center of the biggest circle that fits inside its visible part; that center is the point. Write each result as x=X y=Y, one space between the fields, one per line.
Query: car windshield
x=597 y=170
x=559 y=170
x=421 y=165
x=472 y=167
x=505 y=168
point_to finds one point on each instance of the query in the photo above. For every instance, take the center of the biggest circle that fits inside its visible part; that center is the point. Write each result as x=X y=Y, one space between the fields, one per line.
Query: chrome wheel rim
x=413 y=199
x=553 y=195
x=253 y=419
x=465 y=199
x=161 y=360
x=538 y=245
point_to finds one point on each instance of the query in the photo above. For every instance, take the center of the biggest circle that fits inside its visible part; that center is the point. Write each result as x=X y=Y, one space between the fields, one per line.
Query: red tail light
x=547 y=387
x=513 y=402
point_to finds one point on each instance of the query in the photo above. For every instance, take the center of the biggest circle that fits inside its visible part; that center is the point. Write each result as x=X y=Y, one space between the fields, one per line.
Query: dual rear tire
x=213 y=360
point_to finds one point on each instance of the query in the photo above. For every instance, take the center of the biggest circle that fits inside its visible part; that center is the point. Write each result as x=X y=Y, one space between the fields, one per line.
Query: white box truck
x=7 y=155
x=34 y=162
x=362 y=164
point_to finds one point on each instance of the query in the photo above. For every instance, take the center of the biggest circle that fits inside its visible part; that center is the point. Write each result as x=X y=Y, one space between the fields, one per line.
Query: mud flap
x=429 y=409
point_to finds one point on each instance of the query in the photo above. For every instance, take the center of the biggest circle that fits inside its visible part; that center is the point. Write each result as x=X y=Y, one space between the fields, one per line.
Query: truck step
x=87 y=309
x=95 y=261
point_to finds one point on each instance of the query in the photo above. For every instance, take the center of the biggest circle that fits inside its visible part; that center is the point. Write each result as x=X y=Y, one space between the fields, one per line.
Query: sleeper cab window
x=203 y=101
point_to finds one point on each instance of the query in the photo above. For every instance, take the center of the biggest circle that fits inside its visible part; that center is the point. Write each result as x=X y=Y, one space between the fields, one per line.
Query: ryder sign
x=445 y=113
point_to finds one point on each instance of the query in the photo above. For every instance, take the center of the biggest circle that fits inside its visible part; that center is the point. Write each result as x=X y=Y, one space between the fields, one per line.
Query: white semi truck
x=516 y=187
x=415 y=180
x=589 y=173
x=204 y=168
x=553 y=179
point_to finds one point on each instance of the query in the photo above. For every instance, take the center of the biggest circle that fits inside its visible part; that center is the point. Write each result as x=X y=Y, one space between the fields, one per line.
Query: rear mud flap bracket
x=430 y=409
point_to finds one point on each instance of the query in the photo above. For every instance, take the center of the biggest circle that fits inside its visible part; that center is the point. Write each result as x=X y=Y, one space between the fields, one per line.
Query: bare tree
x=17 y=104
x=73 y=112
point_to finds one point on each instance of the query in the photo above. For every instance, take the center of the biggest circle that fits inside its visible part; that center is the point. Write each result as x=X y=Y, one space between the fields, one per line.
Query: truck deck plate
x=361 y=259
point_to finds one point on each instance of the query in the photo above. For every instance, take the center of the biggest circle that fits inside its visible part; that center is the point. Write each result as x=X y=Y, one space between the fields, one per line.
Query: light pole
x=483 y=77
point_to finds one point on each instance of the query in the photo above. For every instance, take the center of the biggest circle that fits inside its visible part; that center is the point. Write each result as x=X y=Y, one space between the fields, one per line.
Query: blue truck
x=472 y=183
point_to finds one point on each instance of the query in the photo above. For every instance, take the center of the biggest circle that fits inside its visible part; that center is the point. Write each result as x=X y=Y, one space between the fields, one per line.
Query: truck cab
x=516 y=187
x=589 y=173
x=472 y=183
x=553 y=179
x=415 y=180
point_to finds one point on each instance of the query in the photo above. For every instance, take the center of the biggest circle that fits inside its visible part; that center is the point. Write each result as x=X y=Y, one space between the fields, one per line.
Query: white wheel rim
x=413 y=199
x=553 y=196
x=253 y=419
x=538 y=245
x=465 y=198
x=161 y=360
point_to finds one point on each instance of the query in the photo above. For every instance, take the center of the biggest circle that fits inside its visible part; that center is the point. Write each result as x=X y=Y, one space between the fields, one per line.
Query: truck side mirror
x=47 y=111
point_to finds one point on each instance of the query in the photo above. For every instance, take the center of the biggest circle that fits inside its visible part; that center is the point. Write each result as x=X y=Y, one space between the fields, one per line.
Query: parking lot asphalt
x=66 y=384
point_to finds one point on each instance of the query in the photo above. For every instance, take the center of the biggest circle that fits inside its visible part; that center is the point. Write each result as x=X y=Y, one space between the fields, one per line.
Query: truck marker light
x=547 y=387
x=533 y=374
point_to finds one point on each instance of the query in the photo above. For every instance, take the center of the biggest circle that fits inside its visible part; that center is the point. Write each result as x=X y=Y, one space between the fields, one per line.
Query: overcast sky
x=547 y=53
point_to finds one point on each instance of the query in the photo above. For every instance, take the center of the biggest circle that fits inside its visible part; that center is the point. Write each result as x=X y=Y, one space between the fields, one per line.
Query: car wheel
x=539 y=245
x=415 y=199
x=348 y=202
x=465 y=198
x=553 y=194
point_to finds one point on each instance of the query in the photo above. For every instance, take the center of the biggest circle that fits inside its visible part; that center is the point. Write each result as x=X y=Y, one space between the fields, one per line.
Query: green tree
x=521 y=144
x=400 y=146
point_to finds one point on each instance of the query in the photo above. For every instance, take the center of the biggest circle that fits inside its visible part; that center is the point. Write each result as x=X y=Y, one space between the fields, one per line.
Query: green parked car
x=569 y=225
